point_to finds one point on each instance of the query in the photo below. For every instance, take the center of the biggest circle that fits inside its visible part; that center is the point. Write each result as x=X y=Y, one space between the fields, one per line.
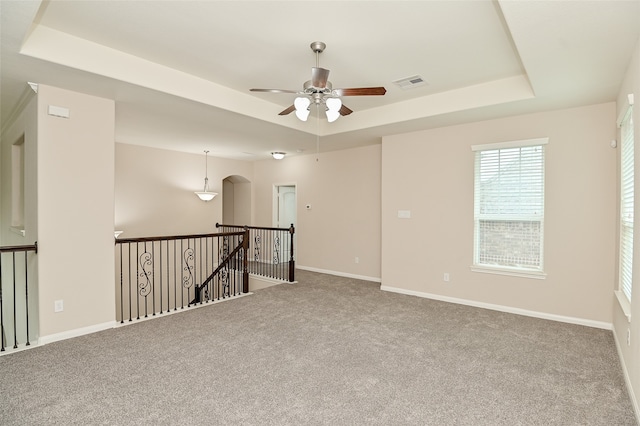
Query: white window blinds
x=626 y=204
x=509 y=205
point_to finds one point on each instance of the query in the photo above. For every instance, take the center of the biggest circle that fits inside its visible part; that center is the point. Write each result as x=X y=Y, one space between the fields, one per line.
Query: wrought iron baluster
x=175 y=278
x=137 y=275
x=188 y=270
x=15 y=327
x=168 y=277
x=1 y=311
x=160 y=283
x=26 y=294
x=206 y=274
x=153 y=278
x=130 y=280
x=276 y=249
x=145 y=284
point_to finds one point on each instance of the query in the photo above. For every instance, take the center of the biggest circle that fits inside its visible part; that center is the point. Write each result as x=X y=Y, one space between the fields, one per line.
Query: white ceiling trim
x=491 y=93
x=64 y=49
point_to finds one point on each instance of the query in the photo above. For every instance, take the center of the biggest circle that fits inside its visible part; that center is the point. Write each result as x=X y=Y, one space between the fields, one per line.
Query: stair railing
x=159 y=274
x=14 y=293
x=271 y=251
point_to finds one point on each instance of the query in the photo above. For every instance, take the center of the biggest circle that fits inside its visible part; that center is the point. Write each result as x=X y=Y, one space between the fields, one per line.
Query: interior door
x=285 y=216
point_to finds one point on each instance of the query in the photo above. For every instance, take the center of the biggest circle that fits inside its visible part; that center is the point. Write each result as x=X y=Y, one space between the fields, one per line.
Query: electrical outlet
x=58 y=306
x=357 y=259
x=446 y=277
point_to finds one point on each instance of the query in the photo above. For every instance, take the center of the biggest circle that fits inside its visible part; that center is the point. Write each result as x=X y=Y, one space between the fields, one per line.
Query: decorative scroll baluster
x=187 y=276
x=256 y=248
x=276 y=249
x=145 y=285
x=153 y=275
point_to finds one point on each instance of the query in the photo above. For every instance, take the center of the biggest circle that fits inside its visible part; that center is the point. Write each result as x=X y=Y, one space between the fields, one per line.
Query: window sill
x=510 y=272
x=624 y=304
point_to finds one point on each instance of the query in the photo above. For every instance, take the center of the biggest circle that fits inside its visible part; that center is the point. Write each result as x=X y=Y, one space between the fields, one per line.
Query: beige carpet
x=326 y=350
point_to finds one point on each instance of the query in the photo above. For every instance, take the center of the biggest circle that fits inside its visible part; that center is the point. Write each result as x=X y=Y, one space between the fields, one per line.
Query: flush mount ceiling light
x=319 y=91
x=278 y=155
x=206 y=195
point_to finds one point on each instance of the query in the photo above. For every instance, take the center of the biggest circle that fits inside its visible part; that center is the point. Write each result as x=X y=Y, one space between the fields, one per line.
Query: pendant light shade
x=206 y=195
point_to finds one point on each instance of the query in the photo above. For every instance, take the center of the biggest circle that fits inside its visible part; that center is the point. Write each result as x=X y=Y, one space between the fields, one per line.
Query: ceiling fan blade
x=273 y=90
x=345 y=110
x=319 y=77
x=289 y=110
x=361 y=91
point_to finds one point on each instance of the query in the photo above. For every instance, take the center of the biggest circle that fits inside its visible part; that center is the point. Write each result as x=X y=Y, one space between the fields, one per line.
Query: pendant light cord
x=206 y=172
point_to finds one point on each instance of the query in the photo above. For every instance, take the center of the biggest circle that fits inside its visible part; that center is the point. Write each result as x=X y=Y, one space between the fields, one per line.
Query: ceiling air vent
x=410 y=82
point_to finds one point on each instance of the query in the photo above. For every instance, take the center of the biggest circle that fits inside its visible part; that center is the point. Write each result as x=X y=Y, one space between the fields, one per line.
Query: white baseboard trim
x=627 y=379
x=502 y=308
x=43 y=340
x=339 y=274
x=178 y=311
x=258 y=282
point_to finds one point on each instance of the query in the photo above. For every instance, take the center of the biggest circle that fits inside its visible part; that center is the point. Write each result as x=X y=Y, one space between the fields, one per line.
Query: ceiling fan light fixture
x=302 y=107
x=333 y=109
x=334 y=104
x=332 y=115
x=302 y=115
x=320 y=90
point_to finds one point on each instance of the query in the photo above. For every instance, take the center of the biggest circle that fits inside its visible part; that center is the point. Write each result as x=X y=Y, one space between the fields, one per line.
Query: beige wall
x=228 y=204
x=430 y=173
x=630 y=354
x=242 y=203
x=343 y=189
x=75 y=212
x=155 y=191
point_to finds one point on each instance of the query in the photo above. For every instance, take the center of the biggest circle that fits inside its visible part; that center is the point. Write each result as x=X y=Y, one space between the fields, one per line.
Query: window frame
x=624 y=286
x=536 y=273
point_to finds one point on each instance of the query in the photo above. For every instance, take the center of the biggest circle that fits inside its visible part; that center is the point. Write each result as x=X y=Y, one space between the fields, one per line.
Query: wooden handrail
x=9 y=249
x=219 y=225
x=177 y=237
x=291 y=230
x=222 y=264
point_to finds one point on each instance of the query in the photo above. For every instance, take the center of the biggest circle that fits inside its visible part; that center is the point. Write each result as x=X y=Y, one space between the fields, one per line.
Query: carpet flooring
x=326 y=350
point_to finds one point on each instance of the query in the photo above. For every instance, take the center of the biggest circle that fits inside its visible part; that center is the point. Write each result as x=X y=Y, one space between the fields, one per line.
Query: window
x=626 y=202
x=509 y=207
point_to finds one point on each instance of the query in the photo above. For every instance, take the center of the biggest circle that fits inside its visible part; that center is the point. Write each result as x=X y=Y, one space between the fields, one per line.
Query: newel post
x=292 y=262
x=245 y=261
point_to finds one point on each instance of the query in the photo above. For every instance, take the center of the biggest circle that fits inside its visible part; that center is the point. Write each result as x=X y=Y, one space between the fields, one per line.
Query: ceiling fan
x=319 y=91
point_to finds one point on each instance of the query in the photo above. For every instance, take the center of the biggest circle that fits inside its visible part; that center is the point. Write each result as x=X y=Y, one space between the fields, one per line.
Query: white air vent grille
x=410 y=82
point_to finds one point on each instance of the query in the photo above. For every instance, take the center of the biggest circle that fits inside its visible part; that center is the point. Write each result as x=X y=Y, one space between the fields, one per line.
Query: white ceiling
x=180 y=71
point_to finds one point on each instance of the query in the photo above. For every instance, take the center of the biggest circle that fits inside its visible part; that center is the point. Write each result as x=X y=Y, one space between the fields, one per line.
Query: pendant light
x=206 y=195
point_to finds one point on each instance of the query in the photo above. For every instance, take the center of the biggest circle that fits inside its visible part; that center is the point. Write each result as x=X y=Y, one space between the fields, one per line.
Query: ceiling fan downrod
x=318 y=47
